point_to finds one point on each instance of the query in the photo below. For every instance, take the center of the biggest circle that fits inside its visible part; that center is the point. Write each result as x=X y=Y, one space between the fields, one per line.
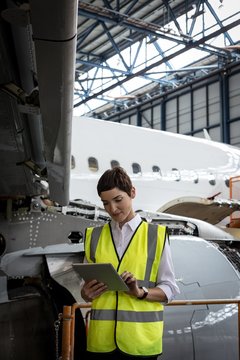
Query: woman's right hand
x=92 y=289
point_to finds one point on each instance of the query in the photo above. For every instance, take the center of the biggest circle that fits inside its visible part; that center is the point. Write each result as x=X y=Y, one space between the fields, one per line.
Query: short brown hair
x=116 y=177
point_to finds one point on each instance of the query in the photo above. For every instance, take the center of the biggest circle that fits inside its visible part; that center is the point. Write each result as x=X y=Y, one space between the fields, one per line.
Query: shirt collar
x=133 y=223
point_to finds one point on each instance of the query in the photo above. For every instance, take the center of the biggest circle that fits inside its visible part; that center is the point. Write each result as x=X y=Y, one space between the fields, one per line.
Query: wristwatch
x=145 y=292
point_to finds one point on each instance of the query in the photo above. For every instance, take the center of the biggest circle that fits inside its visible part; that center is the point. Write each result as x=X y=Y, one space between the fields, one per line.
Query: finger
x=126 y=274
x=130 y=280
x=90 y=283
x=100 y=286
x=97 y=291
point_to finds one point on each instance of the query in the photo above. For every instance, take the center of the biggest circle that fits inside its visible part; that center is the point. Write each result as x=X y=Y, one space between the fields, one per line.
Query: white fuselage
x=188 y=166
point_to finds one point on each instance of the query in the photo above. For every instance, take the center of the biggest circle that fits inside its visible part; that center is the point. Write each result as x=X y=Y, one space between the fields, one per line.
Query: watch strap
x=145 y=293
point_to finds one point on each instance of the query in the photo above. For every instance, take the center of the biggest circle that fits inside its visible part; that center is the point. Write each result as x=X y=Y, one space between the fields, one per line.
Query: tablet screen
x=101 y=272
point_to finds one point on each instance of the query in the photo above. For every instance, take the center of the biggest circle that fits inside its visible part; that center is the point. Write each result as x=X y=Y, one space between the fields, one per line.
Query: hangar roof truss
x=130 y=48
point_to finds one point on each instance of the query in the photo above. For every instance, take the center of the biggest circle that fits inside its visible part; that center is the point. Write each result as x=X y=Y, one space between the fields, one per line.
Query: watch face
x=145 y=289
x=145 y=292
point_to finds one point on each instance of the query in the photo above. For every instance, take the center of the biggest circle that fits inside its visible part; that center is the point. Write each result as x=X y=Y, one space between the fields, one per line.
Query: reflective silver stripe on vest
x=146 y=283
x=152 y=245
x=128 y=316
x=94 y=241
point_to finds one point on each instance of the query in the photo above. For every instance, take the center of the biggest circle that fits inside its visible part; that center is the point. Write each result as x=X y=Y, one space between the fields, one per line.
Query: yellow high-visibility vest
x=119 y=320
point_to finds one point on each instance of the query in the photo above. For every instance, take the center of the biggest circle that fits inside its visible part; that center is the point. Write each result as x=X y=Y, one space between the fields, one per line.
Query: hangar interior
x=38 y=242
x=165 y=64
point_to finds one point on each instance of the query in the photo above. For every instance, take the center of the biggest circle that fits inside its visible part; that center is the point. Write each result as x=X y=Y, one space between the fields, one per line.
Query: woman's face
x=118 y=204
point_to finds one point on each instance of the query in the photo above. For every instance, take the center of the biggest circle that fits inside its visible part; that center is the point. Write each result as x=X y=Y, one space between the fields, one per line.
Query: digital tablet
x=101 y=272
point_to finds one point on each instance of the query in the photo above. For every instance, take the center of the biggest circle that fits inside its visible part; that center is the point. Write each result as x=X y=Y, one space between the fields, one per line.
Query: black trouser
x=116 y=355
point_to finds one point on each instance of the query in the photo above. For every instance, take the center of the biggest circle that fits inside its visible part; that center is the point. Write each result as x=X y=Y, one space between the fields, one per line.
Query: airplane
x=172 y=173
x=42 y=231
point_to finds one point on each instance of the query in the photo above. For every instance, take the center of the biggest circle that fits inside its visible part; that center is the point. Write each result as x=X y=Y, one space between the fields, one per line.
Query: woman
x=127 y=325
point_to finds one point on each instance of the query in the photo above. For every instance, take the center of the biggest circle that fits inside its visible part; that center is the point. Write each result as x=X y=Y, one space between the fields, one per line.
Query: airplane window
x=227 y=181
x=212 y=180
x=73 y=162
x=195 y=178
x=136 y=168
x=93 y=164
x=155 y=168
x=114 y=163
x=177 y=176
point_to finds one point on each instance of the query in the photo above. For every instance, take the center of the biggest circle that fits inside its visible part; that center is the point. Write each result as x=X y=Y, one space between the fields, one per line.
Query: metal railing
x=68 y=319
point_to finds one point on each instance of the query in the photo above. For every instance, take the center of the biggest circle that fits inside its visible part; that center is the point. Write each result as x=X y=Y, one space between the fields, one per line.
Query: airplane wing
x=36 y=97
x=211 y=211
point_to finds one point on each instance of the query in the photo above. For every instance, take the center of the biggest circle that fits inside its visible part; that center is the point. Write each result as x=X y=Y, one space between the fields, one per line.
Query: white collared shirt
x=166 y=278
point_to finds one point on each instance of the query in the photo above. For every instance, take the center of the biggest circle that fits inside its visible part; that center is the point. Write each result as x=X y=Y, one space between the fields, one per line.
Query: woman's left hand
x=132 y=284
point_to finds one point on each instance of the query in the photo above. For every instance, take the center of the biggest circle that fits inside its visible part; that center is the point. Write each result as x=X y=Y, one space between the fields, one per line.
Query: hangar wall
x=212 y=103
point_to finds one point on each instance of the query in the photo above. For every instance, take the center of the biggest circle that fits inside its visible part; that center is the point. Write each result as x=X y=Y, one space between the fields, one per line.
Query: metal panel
x=125 y=121
x=24 y=322
x=206 y=107
x=213 y=104
x=234 y=96
x=199 y=108
x=184 y=113
x=171 y=115
x=215 y=133
x=235 y=133
x=146 y=118
x=133 y=120
x=156 y=117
